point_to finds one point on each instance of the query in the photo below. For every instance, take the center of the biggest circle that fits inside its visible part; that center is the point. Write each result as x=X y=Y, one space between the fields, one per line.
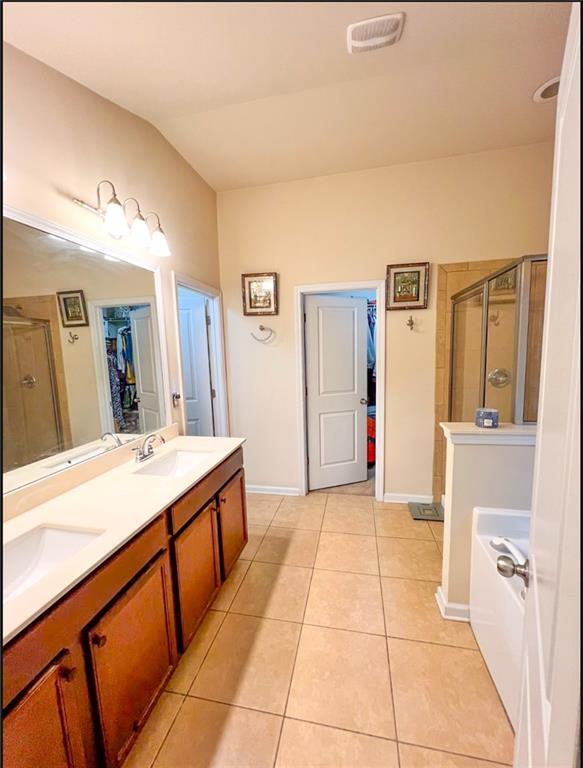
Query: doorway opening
x=341 y=386
x=202 y=372
x=128 y=365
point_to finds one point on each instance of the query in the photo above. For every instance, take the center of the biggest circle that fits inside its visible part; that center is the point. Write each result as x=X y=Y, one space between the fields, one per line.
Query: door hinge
x=208 y=319
x=305 y=317
x=306 y=390
x=213 y=392
x=307 y=459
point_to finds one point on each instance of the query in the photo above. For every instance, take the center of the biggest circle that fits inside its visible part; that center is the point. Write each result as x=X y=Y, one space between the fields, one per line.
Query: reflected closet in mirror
x=82 y=365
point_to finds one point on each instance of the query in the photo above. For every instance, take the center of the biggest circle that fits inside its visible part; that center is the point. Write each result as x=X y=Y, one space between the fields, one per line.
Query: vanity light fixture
x=159 y=245
x=139 y=231
x=113 y=216
x=115 y=220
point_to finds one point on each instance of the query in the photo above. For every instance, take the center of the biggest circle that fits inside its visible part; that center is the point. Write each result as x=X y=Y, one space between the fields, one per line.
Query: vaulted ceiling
x=254 y=93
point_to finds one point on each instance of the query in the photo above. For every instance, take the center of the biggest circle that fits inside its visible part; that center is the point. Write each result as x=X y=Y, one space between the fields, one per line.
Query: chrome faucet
x=145 y=450
x=116 y=439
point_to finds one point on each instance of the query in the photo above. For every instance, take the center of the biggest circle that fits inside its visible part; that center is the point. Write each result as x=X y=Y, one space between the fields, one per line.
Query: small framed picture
x=259 y=293
x=407 y=285
x=73 y=309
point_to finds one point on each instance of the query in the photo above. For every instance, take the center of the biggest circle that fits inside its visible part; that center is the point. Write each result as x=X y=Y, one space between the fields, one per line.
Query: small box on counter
x=486 y=417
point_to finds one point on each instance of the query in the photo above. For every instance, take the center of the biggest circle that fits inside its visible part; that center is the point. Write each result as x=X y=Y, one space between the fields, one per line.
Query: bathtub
x=497 y=603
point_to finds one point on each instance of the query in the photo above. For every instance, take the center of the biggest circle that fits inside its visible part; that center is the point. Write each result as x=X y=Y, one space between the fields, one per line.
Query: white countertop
x=118 y=502
x=467 y=433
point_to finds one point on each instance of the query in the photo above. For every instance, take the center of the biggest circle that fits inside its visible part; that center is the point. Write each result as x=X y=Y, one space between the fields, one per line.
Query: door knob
x=364 y=400
x=508 y=567
x=175 y=399
x=99 y=640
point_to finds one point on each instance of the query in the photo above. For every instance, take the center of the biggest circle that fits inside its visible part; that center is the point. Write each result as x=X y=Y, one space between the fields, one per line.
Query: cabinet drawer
x=197 y=569
x=43 y=729
x=232 y=521
x=186 y=507
x=133 y=652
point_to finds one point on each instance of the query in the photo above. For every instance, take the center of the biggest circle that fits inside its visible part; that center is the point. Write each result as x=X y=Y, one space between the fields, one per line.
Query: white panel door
x=547 y=735
x=148 y=387
x=194 y=350
x=336 y=385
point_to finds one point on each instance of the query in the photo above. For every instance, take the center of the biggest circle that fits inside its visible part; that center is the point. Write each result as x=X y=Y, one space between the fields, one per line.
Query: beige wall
x=348 y=227
x=60 y=139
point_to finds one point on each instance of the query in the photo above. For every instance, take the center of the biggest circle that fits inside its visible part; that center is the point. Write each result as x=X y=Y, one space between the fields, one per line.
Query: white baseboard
x=452 y=611
x=403 y=498
x=275 y=489
x=443 y=500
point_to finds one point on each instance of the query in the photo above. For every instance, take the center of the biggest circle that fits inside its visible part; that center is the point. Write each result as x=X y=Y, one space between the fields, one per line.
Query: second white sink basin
x=28 y=558
x=175 y=464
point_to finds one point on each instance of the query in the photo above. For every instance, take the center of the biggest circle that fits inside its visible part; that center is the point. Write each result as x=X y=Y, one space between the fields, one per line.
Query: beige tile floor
x=325 y=647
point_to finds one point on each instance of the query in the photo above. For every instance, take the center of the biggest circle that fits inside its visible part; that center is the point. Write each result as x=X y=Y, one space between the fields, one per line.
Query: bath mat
x=433 y=511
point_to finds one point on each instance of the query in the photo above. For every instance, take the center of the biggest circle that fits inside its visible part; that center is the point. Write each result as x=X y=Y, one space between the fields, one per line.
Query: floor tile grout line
x=155 y=758
x=212 y=642
x=449 y=752
x=387 y=648
x=298 y=645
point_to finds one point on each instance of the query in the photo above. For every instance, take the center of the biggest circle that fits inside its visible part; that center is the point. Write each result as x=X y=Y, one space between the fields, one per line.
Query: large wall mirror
x=81 y=354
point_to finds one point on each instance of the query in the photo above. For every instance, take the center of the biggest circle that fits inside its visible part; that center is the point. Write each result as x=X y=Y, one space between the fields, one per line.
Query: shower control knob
x=499 y=377
x=508 y=567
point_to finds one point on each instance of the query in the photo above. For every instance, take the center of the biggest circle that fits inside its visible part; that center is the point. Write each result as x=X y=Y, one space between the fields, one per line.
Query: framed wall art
x=72 y=308
x=260 y=293
x=407 y=285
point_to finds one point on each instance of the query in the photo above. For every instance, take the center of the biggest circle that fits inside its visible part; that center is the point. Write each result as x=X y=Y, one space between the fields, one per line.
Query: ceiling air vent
x=376 y=33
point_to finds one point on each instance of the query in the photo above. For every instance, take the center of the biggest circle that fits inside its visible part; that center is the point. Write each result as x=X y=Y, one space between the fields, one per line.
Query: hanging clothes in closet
x=125 y=364
x=115 y=388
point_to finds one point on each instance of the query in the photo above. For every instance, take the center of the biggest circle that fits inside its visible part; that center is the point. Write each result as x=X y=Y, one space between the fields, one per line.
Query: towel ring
x=263 y=328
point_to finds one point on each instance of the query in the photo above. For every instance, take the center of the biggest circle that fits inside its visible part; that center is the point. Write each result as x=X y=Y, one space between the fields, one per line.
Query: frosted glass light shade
x=140 y=232
x=159 y=244
x=115 y=219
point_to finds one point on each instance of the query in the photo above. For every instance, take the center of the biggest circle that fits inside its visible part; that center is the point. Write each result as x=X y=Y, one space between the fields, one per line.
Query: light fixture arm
x=127 y=200
x=153 y=213
x=104 y=181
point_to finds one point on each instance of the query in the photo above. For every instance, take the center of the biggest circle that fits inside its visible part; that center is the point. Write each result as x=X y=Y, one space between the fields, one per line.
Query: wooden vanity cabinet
x=198 y=575
x=232 y=520
x=133 y=653
x=81 y=680
x=44 y=729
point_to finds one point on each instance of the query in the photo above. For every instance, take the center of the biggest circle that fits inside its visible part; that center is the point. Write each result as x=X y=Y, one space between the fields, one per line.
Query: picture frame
x=260 y=296
x=72 y=308
x=407 y=286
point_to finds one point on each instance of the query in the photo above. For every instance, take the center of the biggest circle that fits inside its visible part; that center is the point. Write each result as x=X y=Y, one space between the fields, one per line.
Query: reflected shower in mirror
x=81 y=353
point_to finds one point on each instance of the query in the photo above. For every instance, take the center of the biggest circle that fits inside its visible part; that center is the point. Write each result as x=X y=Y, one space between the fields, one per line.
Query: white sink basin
x=28 y=558
x=175 y=464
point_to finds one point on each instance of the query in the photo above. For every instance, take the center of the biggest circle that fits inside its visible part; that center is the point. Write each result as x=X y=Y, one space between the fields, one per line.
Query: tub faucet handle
x=508 y=567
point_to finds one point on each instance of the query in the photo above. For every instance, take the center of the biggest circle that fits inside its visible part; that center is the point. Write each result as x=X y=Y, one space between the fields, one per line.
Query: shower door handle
x=28 y=381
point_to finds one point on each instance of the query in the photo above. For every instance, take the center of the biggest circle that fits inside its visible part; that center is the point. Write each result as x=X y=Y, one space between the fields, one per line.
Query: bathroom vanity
x=89 y=647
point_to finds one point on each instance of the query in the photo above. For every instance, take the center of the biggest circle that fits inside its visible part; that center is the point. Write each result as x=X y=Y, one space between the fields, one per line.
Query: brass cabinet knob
x=69 y=674
x=99 y=640
x=223 y=499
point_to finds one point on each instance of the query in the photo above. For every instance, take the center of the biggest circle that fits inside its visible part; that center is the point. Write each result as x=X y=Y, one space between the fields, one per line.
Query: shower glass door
x=30 y=417
x=502 y=325
x=466 y=370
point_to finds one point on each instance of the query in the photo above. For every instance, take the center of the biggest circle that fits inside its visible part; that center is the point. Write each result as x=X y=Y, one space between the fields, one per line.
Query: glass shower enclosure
x=496 y=343
x=31 y=419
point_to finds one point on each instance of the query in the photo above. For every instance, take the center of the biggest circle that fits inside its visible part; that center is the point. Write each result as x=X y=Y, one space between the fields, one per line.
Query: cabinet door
x=233 y=520
x=133 y=651
x=43 y=728
x=198 y=570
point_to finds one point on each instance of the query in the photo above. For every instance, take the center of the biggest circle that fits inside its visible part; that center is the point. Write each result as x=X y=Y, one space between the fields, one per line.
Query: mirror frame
x=37 y=222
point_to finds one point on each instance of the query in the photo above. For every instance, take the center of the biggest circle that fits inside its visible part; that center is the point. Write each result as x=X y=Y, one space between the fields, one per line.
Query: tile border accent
x=452 y=611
